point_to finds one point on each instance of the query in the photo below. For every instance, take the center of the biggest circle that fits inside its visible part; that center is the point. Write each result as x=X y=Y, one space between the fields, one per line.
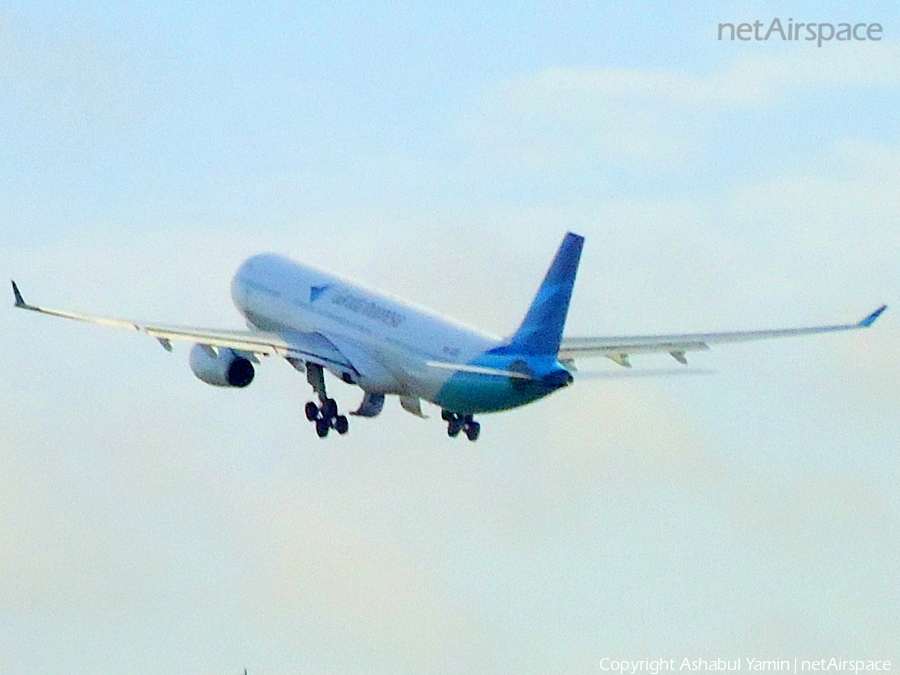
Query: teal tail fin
x=542 y=328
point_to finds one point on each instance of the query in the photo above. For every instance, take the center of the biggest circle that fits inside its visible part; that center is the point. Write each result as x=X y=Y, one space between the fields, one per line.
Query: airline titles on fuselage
x=368 y=308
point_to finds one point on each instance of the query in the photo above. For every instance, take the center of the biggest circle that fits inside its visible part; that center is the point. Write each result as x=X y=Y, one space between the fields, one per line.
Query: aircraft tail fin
x=542 y=328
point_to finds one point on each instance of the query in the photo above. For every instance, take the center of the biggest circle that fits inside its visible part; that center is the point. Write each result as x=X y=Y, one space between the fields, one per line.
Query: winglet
x=869 y=320
x=19 y=301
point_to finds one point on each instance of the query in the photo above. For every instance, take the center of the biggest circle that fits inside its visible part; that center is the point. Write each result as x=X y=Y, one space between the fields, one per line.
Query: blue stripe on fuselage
x=467 y=393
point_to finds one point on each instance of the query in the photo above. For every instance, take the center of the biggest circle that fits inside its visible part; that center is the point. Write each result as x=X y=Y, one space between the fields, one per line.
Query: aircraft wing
x=307 y=346
x=618 y=349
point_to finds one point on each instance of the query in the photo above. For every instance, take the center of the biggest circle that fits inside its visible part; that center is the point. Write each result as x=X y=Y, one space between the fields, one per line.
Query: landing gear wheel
x=341 y=425
x=472 y=431
x=325 y=416
x=329 y=408
x=446 y=415
x=454 y=426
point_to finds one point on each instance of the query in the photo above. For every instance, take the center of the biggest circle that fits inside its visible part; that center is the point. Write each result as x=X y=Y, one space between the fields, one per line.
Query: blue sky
x=151 y=523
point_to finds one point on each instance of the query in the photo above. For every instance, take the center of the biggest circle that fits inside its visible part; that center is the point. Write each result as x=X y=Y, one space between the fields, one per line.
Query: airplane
x=387 y=346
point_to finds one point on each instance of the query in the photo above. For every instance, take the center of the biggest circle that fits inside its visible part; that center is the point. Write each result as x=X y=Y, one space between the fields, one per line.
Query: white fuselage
x=377 y=341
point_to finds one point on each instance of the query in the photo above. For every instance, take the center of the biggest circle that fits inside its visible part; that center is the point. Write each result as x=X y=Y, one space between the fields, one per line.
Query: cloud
x=653 y=119
x=601 y=511
x=134 y=497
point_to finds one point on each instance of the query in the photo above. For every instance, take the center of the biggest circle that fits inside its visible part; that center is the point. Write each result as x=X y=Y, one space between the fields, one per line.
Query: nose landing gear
x=464 y=423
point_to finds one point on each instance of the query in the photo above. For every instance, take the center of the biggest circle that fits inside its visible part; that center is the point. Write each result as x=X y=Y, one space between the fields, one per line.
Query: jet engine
x=222 y=368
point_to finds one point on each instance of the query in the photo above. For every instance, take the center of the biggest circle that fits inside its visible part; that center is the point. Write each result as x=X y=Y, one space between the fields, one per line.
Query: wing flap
x=246 y=341
x=619 y=348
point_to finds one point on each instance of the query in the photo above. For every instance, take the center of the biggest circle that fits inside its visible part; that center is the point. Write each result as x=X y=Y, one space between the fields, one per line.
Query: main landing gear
x=464 y=423
x=325 y=416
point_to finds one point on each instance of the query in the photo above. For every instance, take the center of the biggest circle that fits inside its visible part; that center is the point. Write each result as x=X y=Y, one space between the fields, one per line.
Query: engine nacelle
x=224 y=369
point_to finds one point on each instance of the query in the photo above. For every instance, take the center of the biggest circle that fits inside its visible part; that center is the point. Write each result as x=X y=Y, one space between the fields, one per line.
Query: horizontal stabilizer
x=480 y=370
